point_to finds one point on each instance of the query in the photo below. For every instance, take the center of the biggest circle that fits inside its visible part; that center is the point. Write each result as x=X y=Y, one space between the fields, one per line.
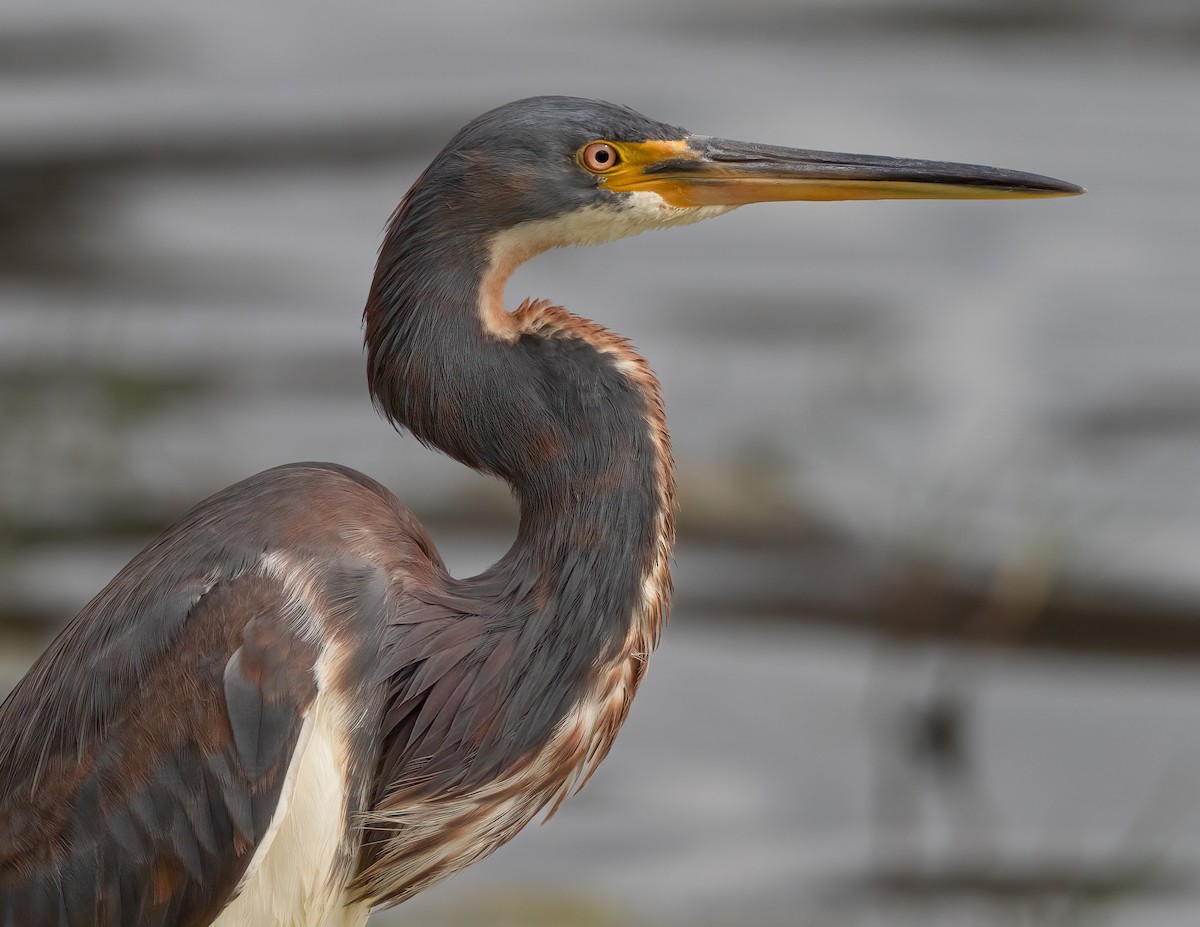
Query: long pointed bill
x=700 y=171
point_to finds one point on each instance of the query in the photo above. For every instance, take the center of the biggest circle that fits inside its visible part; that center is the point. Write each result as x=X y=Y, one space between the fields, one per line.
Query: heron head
x=550 y=170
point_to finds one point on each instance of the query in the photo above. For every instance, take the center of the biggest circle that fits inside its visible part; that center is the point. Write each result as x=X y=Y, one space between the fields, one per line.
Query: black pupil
x=602 y=155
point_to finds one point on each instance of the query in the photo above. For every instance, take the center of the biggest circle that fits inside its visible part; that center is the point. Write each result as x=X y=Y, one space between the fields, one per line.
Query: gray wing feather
x=262 y=727
x=158 y=819
x=143 y=757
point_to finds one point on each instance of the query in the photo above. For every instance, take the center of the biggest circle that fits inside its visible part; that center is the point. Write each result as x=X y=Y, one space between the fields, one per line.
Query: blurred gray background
x=933 y=657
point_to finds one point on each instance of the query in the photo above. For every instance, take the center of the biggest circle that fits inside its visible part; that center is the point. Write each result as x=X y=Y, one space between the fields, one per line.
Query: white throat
x=593 y=225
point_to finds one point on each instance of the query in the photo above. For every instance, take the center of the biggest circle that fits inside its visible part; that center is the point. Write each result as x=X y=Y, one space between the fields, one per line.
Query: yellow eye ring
x=599 y=157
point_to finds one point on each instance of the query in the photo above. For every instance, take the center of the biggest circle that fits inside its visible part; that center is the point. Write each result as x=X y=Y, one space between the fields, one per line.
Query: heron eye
x=599 y=157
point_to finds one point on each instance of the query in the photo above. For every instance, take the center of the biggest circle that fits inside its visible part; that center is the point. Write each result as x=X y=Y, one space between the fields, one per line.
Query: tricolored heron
x=284 y=710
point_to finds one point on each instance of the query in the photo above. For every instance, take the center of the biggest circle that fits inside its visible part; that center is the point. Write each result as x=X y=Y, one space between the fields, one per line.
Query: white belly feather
x=288 y=883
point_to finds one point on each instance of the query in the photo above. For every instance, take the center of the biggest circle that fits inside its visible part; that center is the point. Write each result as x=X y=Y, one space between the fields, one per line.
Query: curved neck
x=563 y=410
